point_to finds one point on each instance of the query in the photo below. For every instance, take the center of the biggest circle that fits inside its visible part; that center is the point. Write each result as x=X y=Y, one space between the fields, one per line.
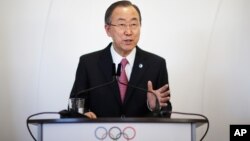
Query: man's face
x=124 y=29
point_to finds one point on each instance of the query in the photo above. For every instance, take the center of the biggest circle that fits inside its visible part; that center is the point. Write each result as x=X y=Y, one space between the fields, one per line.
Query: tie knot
x=124 y=62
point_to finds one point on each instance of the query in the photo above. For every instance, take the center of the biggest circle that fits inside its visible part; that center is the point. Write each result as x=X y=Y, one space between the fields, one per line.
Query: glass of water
x=76 y=105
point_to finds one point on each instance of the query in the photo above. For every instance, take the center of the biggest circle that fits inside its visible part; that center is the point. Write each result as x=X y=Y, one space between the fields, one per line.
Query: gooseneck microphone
x=74 y=113
x=85 y=91
x=157 y=111
x=99 y=86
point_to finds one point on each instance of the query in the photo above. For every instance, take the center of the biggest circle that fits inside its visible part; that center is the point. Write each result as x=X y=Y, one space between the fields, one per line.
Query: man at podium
x=140 y=71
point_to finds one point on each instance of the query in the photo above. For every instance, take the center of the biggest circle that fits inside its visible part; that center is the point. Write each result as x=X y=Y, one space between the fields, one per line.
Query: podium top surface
x=116 y=120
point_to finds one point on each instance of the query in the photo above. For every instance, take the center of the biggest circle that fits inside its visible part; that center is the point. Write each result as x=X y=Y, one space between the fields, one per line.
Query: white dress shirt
x=117 y=58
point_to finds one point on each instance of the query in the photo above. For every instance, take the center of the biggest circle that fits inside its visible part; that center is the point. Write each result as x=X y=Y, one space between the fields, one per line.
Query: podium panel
x=116 y=129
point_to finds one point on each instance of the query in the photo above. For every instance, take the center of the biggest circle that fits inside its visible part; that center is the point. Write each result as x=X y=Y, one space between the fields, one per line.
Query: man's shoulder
x=149 y=55
x=95 y=54
x=92 y=54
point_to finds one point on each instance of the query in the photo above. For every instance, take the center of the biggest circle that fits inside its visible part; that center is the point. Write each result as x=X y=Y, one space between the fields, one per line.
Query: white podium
x=117 y=129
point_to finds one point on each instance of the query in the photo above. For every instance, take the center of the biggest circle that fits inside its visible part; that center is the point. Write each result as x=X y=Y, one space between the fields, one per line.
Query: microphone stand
x=157 y=112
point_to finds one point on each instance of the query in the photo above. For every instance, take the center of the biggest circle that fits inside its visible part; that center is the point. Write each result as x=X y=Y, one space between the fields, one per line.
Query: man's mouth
x=128 y=41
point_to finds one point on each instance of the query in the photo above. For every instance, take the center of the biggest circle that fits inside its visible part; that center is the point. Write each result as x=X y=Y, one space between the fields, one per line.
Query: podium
x=116 y=129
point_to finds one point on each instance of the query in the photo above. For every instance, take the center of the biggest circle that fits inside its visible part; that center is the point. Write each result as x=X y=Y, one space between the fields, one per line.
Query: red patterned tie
x=123 y=79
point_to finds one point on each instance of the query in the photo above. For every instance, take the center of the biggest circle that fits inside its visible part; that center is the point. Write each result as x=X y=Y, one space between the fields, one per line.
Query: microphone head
x=113 y=70
x=118 y=73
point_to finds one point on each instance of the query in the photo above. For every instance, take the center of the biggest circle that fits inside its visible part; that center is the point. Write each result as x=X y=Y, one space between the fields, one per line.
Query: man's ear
x=107 y=29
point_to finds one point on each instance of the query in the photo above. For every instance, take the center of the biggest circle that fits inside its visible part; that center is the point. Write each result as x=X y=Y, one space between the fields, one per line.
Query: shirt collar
x=117 y=57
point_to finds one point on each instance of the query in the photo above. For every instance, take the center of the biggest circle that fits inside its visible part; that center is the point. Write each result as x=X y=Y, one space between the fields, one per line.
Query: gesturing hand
x=162 y=94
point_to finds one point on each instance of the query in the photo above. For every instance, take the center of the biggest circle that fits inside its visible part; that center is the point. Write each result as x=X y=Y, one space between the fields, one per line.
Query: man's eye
x=134 y=25
x=122 y=25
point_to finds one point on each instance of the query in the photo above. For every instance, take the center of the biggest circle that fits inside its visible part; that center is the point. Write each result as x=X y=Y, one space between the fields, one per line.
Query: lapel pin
x=140 y=65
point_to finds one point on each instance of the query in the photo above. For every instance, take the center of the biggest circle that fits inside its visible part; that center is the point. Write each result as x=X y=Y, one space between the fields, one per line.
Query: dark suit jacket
x=96 y=68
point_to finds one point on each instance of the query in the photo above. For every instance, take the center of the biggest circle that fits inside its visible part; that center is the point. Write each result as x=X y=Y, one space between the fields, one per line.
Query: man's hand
x=90 y=115
x=162 y=94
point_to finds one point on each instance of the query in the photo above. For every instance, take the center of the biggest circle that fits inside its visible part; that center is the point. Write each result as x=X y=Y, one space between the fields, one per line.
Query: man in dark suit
x=142 y=69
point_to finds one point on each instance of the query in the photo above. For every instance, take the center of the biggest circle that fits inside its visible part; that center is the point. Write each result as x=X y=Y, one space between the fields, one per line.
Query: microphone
x=157 y=112
x=99 y=86
x=74 y=113
x=162 y=113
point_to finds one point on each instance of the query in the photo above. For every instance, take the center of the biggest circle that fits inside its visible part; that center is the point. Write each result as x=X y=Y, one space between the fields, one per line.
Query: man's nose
x=128 y=30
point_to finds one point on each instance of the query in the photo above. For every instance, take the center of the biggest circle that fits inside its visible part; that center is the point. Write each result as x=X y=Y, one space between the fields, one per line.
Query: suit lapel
x=139 y=67
x=105 y=63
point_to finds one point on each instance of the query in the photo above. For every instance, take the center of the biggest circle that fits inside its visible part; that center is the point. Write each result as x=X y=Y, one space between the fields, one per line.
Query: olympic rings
x=128 y=130
x=99 y=133
x=115 y=133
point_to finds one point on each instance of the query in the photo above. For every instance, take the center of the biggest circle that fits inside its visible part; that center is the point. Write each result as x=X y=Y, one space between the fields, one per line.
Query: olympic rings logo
x=115 y=133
